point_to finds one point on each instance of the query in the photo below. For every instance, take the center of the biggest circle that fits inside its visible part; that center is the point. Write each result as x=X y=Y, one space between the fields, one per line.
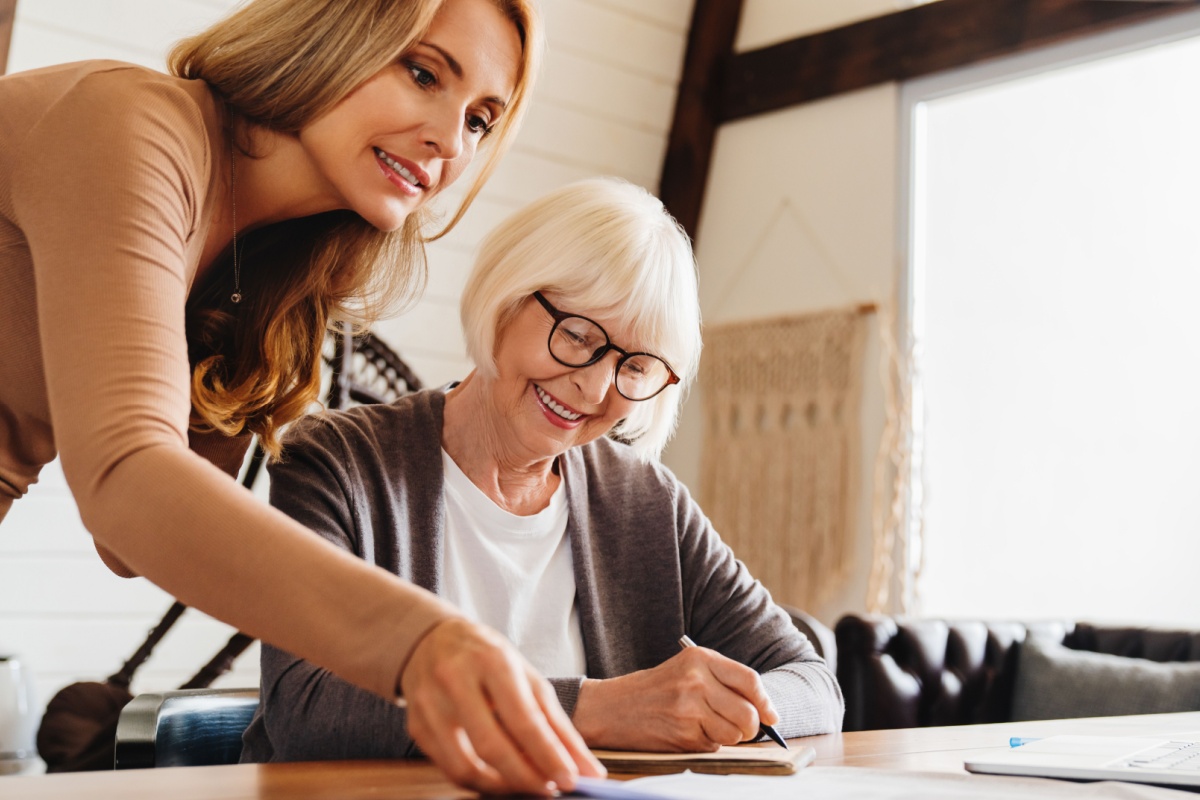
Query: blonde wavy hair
x=279 y=65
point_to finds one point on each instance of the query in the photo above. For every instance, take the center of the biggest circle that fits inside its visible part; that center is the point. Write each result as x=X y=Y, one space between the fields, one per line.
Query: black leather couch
x=904 y=673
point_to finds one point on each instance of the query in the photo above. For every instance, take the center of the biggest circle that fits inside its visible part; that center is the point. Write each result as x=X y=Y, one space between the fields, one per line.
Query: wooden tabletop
x=913 y=749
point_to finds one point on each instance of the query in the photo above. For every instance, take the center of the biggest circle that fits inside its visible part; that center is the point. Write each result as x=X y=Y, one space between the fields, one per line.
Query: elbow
x=114 y=564
x=105 y=494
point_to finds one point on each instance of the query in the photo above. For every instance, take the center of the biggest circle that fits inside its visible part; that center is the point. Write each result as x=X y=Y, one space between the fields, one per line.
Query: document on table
x=859 y=783
x=747 y=759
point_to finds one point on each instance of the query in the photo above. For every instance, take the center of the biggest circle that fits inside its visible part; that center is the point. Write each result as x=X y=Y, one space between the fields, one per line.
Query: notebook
x=747 y=759
x=1172 y=760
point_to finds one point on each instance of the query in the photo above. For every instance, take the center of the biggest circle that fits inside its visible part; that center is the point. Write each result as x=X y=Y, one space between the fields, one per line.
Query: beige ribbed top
x=110 y=176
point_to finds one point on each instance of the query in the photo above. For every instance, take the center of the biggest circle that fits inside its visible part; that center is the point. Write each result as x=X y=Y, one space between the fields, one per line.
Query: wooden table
x=913 y=749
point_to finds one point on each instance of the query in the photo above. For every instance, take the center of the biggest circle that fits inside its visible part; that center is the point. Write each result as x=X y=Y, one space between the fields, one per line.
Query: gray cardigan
x=648 y=568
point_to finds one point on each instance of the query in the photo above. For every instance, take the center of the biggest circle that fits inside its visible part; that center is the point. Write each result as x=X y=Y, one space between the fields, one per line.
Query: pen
x=766 y=730
x=1017 y=741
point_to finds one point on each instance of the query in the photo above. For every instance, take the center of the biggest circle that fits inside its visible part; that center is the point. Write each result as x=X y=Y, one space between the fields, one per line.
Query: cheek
x=454 y=169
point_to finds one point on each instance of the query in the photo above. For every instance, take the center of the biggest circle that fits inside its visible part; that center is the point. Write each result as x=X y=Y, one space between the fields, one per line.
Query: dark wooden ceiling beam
x=912 y=43
x=694 y=127
x=8 y=12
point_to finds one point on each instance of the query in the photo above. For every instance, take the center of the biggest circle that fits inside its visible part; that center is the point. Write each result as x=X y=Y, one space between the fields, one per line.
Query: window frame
x=911 y=120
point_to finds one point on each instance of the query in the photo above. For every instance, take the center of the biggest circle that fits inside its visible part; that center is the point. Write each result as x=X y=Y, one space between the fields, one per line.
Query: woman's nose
x=444 y=134
x=595 y=380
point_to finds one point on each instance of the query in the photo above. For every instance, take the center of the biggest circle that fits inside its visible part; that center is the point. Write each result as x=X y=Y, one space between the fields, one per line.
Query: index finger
x=743 y=680
x=587 y=763
x=523 y=719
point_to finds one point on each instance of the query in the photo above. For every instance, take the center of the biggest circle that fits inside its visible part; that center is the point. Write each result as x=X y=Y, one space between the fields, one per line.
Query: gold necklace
x=236 y=297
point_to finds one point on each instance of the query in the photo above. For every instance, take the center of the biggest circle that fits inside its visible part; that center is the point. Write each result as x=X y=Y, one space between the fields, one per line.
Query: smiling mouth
x=396 y=167
x=555 y=406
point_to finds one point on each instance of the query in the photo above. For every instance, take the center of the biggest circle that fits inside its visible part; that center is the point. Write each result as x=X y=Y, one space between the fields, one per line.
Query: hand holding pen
x=685 y=642
x=693 y=702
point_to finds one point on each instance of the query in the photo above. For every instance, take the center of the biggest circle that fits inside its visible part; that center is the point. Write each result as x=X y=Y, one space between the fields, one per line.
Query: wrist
x=588 y=717
x=424 y=638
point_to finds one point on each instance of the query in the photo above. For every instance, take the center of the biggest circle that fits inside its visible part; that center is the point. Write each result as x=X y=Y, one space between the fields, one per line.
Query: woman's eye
x=477 y=124
x=420 y=75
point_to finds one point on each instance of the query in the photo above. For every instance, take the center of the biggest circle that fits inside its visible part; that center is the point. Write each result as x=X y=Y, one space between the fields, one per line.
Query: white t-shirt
x=514 y=573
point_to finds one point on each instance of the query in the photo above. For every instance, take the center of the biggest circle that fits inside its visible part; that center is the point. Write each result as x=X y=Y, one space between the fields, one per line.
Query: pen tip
x=775 y=737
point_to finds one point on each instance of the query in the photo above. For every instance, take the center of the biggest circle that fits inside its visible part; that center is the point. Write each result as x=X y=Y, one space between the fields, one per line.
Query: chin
x=387 y=220
x=383 y=210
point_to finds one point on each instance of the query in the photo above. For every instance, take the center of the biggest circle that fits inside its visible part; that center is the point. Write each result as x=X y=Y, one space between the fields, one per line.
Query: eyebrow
x=457 y=69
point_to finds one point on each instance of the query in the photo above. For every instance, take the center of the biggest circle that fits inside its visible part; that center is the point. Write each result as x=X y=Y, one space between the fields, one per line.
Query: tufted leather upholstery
x=905 y=673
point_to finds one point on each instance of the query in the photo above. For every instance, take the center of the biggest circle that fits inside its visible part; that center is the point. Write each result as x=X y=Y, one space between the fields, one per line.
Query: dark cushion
x=904 y=672
x=1056 y=682
x=908 y=673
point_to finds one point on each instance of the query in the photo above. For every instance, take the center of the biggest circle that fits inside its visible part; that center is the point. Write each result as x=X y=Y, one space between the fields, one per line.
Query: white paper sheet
x=856 y=783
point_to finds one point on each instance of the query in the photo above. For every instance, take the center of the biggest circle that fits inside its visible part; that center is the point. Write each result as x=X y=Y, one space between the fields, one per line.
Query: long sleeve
x=331 y=482
x=731 y=612
x=306 y=713
x=108 y=189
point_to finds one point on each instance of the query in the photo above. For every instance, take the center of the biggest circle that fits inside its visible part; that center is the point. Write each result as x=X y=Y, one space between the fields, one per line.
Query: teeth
x=397 y=168
x=555 y=407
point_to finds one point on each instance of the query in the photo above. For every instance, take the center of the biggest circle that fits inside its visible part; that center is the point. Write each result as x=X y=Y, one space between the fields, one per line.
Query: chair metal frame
x=184 y=728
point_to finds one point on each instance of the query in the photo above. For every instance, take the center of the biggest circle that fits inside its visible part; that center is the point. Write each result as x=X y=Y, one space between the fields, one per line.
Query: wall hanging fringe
x=781 y=446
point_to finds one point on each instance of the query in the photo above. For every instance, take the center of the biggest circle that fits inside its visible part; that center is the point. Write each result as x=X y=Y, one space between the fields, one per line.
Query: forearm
x=179 y=521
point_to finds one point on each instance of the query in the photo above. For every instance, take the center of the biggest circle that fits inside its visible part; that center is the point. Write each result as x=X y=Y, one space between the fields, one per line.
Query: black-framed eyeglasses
x=577 y=341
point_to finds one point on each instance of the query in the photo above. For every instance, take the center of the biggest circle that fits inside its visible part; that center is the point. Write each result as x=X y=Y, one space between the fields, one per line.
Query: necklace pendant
x=236 y=297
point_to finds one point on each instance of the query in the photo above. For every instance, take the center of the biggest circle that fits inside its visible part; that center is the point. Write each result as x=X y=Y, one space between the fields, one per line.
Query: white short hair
x=608 y=248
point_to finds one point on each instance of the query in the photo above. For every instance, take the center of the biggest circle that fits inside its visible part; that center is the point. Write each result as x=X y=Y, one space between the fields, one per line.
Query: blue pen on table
x=1017 y=741
x=766 y=730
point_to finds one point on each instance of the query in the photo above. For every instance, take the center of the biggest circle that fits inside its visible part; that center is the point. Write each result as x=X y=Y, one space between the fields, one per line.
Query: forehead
x=621 y=329
x=479 y=39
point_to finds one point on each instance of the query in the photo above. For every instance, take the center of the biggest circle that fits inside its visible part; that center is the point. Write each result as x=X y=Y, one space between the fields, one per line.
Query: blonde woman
x=172 y=249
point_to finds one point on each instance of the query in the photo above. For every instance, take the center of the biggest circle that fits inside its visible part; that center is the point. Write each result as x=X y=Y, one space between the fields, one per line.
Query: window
x=1054 y=251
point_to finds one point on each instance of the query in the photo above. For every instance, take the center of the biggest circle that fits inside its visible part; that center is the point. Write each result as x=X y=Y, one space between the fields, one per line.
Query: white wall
x=604 y=106
x=833 y=162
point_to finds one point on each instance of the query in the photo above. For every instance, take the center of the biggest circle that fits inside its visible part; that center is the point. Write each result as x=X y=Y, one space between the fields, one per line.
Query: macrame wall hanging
x=897 y=515
x=781 y=446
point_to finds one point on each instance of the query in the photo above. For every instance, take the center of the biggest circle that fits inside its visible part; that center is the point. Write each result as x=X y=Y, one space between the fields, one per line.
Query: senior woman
x=529 y=495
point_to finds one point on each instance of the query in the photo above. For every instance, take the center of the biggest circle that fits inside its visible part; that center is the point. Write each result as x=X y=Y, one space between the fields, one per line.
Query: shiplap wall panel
x=34 y=45
x=55 y=521
x=432 y=322
x=673 y=15
x=603 y=106
x=525 y=175
x=36 y=585
x=448 y=275
x=580 y=138
x=85 y=642
x=136 y=26
x=610 y=35
x=641 y=102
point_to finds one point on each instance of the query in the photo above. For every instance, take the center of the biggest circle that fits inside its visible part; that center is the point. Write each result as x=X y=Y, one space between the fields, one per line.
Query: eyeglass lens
x=577 y=342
